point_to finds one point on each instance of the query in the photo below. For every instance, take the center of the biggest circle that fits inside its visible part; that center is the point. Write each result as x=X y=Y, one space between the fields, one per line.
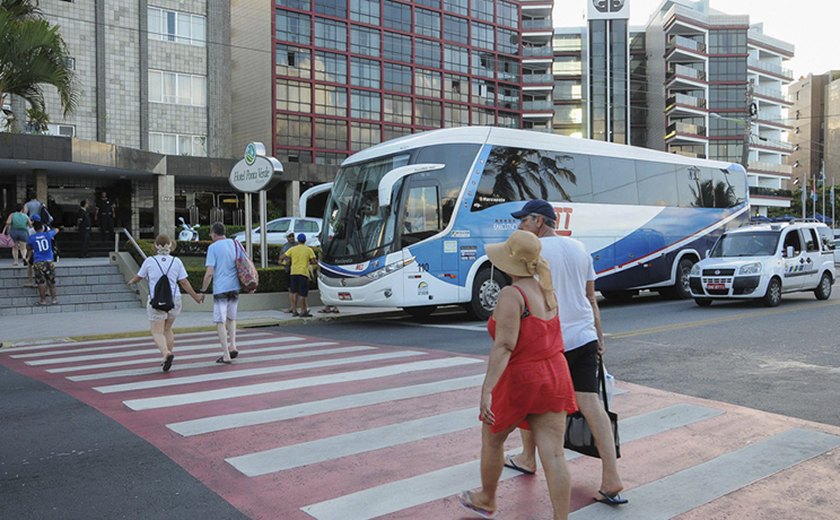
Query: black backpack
x=46 y=218
x=162 y=295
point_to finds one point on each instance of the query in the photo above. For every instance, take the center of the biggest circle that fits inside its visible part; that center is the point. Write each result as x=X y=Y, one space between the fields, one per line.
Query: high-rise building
x=810 y=127
x=347 y=75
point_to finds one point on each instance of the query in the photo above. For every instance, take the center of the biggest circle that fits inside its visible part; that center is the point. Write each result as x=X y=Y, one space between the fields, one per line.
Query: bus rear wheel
x=424 y=311
x=485 y=293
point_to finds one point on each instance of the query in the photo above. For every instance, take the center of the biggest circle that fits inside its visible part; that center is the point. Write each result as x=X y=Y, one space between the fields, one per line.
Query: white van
x=277 y=229
x=764 y=261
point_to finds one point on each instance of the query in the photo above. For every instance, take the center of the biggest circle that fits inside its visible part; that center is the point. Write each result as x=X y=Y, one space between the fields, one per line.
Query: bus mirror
x=311 y=192
x=386 y=185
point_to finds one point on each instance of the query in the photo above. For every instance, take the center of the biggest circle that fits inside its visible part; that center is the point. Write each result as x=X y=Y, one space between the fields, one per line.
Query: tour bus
x=406 y=221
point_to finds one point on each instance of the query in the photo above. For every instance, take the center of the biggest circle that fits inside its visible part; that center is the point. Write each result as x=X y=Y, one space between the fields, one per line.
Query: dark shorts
x=583 y=365
x=19 y=235
x=299 y=284
x=44 y=273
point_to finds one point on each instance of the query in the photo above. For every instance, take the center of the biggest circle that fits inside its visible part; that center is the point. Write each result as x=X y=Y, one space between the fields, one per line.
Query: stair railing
x=131 y=241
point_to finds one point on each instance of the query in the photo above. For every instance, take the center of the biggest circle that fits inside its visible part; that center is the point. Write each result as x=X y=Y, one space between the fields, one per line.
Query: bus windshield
x=746 y=244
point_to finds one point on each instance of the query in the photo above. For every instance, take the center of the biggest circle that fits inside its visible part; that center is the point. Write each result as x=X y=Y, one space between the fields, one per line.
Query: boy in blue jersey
x=40 y=247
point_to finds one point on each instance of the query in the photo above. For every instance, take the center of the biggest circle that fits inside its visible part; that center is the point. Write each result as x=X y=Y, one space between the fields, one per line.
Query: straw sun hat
x=519 y=255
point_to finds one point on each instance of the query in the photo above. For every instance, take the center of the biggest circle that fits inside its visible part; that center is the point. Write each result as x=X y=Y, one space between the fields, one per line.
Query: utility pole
x=752 y=112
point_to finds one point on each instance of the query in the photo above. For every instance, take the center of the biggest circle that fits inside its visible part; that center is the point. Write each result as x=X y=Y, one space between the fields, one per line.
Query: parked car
x=764 y=261
x=277 y=229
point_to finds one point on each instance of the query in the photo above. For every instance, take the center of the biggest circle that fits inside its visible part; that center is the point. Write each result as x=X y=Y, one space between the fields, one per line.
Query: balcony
x=542 y=51
x=680 y=74
x=685 y=101
x=538 y=79
x=759 y=191
x=537 y=106
x=772 y=94
x=681 y=48
x=770 y=68
x=772 y=144
x=684 y=128
x=686 y=43
x=780 y=169
x=537 y=25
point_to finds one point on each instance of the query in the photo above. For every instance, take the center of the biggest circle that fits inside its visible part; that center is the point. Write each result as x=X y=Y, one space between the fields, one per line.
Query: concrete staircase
x=91 y=285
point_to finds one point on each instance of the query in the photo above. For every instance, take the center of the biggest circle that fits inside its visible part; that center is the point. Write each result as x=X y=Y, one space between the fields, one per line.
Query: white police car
x=764 y=261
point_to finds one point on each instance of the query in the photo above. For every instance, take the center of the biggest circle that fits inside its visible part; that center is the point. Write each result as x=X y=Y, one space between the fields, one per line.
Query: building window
x=294 y=96
x=483 y=64
x=303 y=5
x=507 y=14
x=456 y=29
x=456 y=59
x=392 y=132
x=397 y=78
x=331 y=134
x=364 y=41
x=293 y=27
x=177 y=89
x=174 y=26
x=455 y=115
x=330 y=100
x=426 y=23
x=178 y=144
x=292 y=61
x=482 y=36
x=508 y=42
x=427 y=53
x=330 y=67
x=331 y=8
x=428 y=113
x=294 y=130
x=365 y=105
x=363 y=135
x=397 y=16
x=456 y=6
x=483 y=10
x=364 y=73
x=397 y=109
x=456 y=88
x=330 y=34
x=397 y=47
x=428 y=3
x=365 y=11
x=427 y=83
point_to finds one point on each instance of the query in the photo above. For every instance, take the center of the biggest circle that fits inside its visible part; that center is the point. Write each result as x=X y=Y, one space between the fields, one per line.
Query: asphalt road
x=784 y=360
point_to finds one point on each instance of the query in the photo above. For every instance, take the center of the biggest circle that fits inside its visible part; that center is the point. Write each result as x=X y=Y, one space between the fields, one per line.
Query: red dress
x=536 y=379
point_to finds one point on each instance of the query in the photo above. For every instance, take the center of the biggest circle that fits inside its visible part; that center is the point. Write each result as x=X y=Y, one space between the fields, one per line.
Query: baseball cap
x=537 y=206
x=301 y=238
x=35 y=218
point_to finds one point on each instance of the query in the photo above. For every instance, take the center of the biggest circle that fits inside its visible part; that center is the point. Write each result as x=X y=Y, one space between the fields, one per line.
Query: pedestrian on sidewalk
x=221 y=271
x=527 y=382
x=302 y=257
x=573 y=277
x=286 y=262
x=40 y=246
x=17 y=227
x=160 y=322
x=83 y=225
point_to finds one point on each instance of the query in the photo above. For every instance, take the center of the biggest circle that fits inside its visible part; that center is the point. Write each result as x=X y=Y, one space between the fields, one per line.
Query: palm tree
x=33 y=54
x=523 y=174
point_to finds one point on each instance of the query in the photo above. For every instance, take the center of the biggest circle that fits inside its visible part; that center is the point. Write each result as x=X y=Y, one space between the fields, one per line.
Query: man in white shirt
x=573 y=276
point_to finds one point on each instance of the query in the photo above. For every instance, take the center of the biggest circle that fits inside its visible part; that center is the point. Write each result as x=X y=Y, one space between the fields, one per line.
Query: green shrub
x=230 y=231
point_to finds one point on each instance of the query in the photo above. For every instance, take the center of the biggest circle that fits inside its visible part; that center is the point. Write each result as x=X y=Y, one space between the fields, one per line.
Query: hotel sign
x=256 y=171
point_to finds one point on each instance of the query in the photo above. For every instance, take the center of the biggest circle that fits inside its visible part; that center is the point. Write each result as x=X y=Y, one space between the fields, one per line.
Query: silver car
x=277 y=229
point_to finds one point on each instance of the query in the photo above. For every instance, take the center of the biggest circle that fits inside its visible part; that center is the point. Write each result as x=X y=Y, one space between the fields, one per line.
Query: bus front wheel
x=485 y=294
x=681 y=289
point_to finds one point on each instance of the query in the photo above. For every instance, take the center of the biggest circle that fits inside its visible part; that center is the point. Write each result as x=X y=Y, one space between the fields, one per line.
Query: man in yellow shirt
x=302 y=257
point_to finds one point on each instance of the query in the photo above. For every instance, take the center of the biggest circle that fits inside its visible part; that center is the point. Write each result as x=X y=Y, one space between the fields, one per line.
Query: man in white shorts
x=221 y=270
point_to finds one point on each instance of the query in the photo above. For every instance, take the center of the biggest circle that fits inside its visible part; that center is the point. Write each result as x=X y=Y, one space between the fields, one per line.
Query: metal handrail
x=131 y=240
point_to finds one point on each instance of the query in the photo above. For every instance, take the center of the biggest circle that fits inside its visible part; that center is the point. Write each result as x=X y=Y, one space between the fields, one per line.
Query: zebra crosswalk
x=303 y=427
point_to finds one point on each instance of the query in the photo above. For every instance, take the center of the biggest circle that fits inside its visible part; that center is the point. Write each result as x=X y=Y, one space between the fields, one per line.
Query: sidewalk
x=73 y=326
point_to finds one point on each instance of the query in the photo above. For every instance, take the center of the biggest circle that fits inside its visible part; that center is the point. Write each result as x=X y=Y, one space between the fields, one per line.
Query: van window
x=792 y=239
x=812 y=243
x=826 y=239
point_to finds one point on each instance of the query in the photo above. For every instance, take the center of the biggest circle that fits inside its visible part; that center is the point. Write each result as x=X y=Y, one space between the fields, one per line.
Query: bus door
x=420 y=220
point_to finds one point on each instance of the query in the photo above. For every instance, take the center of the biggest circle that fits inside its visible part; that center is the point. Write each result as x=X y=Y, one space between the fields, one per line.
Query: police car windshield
x=757 y=243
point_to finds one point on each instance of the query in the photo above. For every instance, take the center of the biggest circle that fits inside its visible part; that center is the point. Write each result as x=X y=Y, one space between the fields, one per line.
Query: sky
x=807 y=24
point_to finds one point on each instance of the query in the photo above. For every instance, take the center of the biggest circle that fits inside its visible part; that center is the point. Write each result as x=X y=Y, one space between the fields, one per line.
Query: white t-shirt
x=175 y=267
x=571 y=267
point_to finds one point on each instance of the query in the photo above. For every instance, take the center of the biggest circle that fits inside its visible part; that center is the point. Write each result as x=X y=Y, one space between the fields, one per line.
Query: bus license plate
x=716 y=286
x=345 y=296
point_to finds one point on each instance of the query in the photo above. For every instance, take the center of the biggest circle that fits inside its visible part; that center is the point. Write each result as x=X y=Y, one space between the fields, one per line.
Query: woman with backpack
x=165 y=273
x=17 y=227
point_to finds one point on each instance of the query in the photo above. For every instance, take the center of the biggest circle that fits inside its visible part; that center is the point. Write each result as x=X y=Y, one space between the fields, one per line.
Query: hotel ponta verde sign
x=256 y=171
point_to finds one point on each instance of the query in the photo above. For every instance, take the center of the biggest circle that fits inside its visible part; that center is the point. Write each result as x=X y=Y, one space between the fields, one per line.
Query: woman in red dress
x=527 y=384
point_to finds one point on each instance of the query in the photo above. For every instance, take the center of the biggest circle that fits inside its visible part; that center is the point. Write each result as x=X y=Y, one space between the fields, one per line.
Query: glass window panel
x=293 y=96
x=366 y=11
x=397 y=47
x=427 y=83
x=169 y=25
x=397 y=78
x=330 y=34
x=199 y=24
x=331 y=134
x=330 y=67
x=427 y=53
x=170 y=144
x=397 y=109
x=363 y=135
x=614 y=180
x=155 y=86
x=456 y=88
x=364 y=41
x=456 y=29
x=170 y=89
x=427 y=22
x=456 y=6
x=330 y=100
x=199 y=91
x=364 y=73
x=292 y=27
x=397 y=16
x=482 y=36
x=334 y=8
x=427 y=113
x=364 y=105
x=294 y=130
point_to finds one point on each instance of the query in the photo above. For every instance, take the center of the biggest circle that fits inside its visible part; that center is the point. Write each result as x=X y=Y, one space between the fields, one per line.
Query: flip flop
x=234 y=354
x=610 y=500
x=222 y=360
x=510 y=463
x=465 y=499
x=167 y=363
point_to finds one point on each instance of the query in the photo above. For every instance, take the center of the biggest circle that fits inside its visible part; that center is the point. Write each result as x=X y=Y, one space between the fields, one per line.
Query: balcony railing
x=542 y=50
x=537 y=25
x=770 y=67
x=769 y=192
x=772 y=93
x=684 y=99
x=685 y=43
x=532 y=79
x=770 y=168
x=684 y=128
x=763 y=142
x=687 y=72
x=537 y=105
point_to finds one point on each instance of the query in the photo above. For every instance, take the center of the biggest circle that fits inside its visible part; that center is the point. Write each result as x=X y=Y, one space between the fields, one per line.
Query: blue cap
x=35 y=218
x=301 y=238
x=537 y=206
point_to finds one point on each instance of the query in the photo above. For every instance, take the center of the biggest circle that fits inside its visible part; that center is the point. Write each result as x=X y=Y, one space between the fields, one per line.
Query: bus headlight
x=388 y=269
x=753 y=268
x=695 y=269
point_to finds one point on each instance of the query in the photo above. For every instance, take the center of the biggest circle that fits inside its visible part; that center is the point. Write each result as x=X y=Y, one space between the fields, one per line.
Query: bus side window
x=422 y=213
